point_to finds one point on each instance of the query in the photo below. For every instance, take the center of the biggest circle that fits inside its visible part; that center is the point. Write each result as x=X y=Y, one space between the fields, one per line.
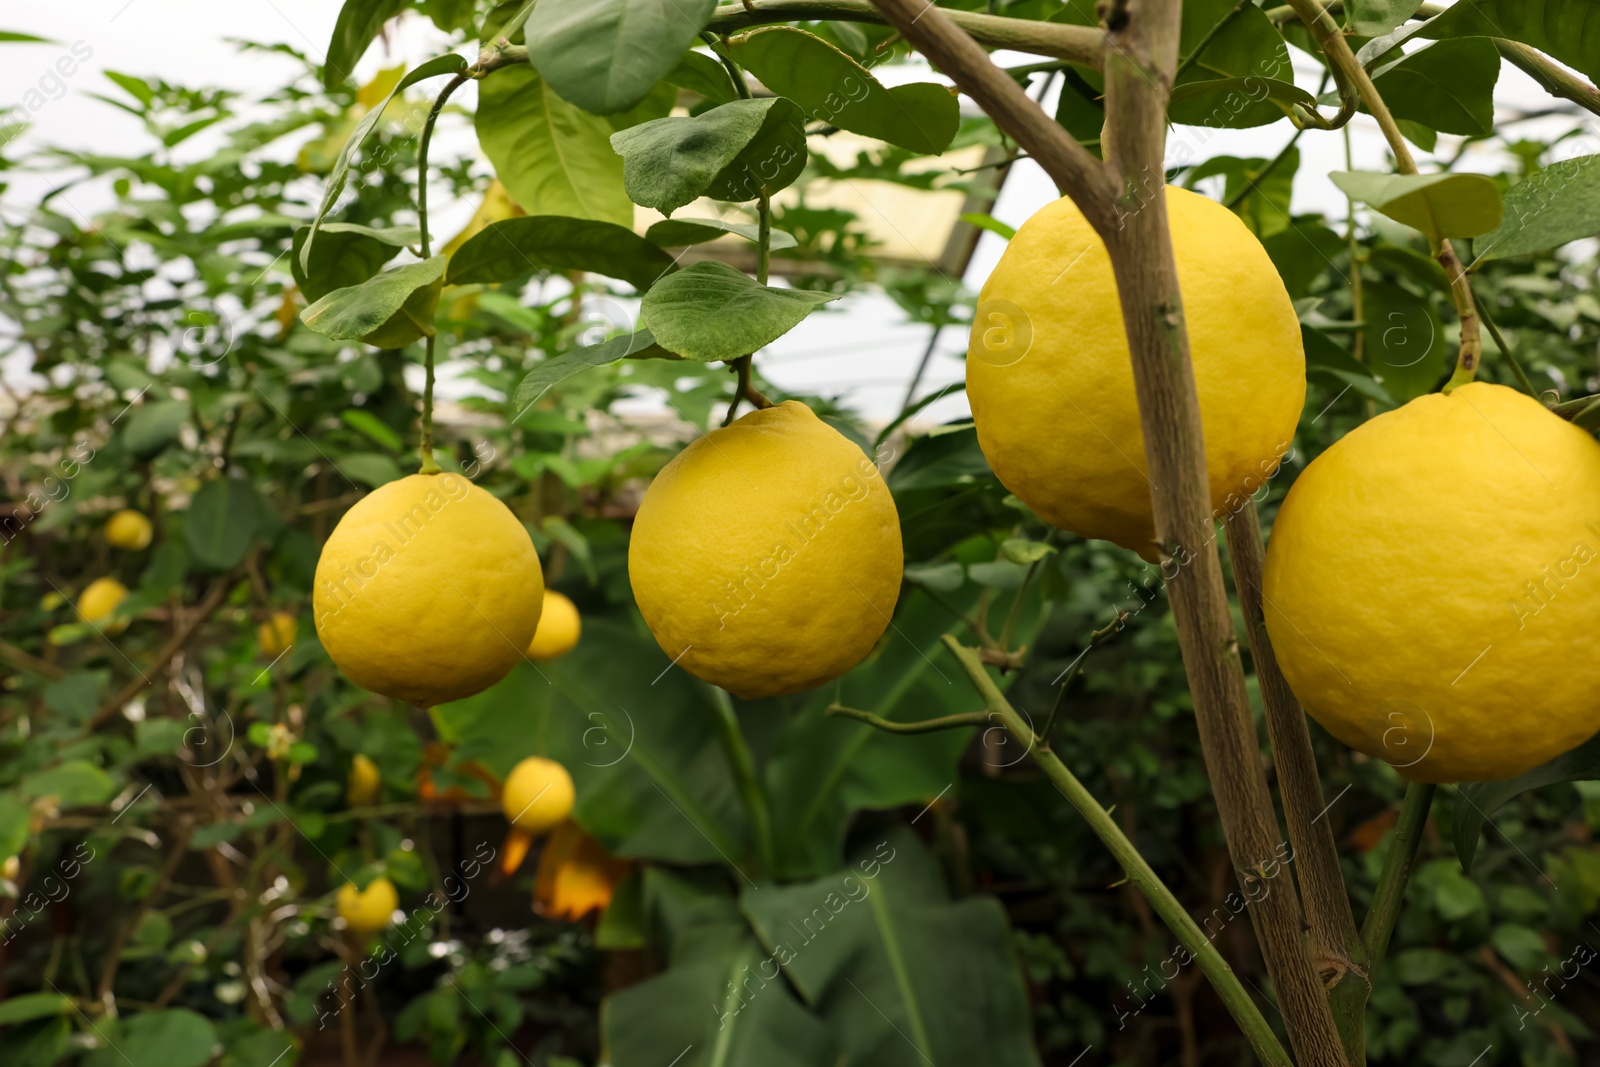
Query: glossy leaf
x=359 y=22
x=700 y=73
x=676 y=233
x=1447 y=87
x=1477 y=801
x=222 y=521
x=1545 y=210
x=1440 y=205
x=1405 y=342
x=514 y=247
x=605 y=55
x=710 y=311
x=361 y=311
x=1374 y=18
x=1244 y=45
x=552 y=372
x=345 y=254
x=1565 y=29
x=731 y=152
x=553 y=157
x=832 y=88
x=1235 y=103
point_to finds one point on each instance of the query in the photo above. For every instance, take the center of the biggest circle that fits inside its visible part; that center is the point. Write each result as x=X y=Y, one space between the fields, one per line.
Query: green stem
x=425 y=446
x=742 y=366
x=1200 y=947
x=925 y=726
x=1505 y=350
x=1397 y=864
x=744 y=773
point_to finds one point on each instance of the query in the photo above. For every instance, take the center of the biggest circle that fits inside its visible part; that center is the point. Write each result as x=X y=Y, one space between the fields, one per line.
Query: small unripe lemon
x=361 y=788
x=128 y=529
x=538 y=794
x=276 y=634
x=367 y=911
x=99 y=600
x=559 y=627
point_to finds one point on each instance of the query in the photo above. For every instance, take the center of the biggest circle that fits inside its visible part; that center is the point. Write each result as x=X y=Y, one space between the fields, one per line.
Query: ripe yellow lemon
x=128 y=530
x=361 y=787
x=428 y=590
x=766 y=556
x=100 y=598
x=276 y=634
x=559 y=627
x=1433 y=586
x=538 y=794
x=1051 y=383
x=366 y=911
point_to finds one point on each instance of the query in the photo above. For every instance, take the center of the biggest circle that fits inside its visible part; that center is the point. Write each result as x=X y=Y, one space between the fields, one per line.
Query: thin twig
x=1397 y=863
x=925 y=726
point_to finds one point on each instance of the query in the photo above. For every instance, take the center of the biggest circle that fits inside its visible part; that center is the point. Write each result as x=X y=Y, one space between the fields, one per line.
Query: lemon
x=538 y=794
x=100 y=598
x=559 y=627
x=1051 y=383
x=361 y=788
x=766 y=557
x=1433 y=585
x=276 y=634
x=128 y=529
x=428 y=590
x=366 y=911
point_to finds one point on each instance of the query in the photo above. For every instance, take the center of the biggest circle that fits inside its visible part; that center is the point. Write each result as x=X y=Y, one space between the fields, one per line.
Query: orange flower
x=575 y=875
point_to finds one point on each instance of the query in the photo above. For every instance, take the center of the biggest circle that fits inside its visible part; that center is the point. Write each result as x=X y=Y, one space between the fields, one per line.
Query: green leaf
x=1447 y=87
x=554 y=158
x=1266 y=194
x=1244 y=45
x=1022 y=550
x=552 y=372
x=365 y=422
x=159 y=737
x=1439 y=205
x=76 y=696
x=1374 y=18
x=29 y=1006
x=1456 y=896
x=153 y=427
x=1523 y=947
x=345 y=254
x=177 y=1037
x=605 y=55
x=1404 y=341
x=447 y=64
x=222 y=521
x=731 y=152
x=261 y=1048
x=75 y=783
x=359 y=22
x=15 y=822
x=1545 y=210
x=1477 y=801
x=1423 y=966
x=514 y=247
x=831 y=87
x=940 y=577
x=1565 y=29
x=12 y=37
x=1235 y=103
x=710 y=311
x=676 y=233
x=699 y=73
x=364 y=311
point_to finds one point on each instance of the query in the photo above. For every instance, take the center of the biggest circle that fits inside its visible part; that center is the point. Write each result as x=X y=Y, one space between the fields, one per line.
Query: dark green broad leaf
x=1245 y=44
x=1374 y=18
x=1439 y=205
x=553 y=372
x=831 y=87
x=710 y=311
x=359 y=22
x=901 y=975
x=1565 y=29
x=75 y=784
x=1262 y=194
x=1447 y=87
x=15 y=821
x=505 y=20
x=1239 y=76
x=346 y=254
x=153 y=427
x=1545 y=210
x=30 y=1006
x=700 y=73
x=676 y=233
x=1477 y=801
x=449 y=64
x=389 y=310
x=514 y=247
x=605 y=55
x=553 y=157
x=1235 y=103
x=1405 y=341
x=732 y=152
x=176 y=1037
x=1081 y=109
x=222 y=521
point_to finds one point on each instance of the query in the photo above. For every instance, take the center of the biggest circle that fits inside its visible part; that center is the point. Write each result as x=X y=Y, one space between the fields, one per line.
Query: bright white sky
x=863 y=350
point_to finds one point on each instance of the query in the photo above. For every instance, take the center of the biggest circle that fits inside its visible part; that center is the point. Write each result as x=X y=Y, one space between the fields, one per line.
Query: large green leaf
x=1404 y=341
x=1476 y=801
x=345 y=254
x=731 y=152
x=699 y=73
x=1545 y=210
x=831 y=87
x=1374 y=18
x=176 y=1037
x=1447 y=87
x=640 y=345
x=1566 y=29
x=389 y=310
x=902 y=976
x=1235 y=103
x=222 y=522
x=1244 y=45
x=15 y=824
x=605 y=55
x=75 y=783
x=359 y=22
x=675 y=233
x=154 y=426
x=513 y=247
x=554 y=158
x=29 y=1006
x=1440 y=205
x=710 y=311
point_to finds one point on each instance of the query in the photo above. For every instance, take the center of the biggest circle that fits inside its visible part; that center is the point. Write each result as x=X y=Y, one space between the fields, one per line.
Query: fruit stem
x=1204 y=952
x=1505 y=350
x=741 y=366
x=1397 y=863
x=429 y=466
x=744 y=772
